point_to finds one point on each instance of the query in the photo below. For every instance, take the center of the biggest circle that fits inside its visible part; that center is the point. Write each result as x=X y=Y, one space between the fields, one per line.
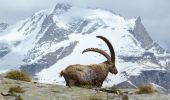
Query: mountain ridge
x=50 y=40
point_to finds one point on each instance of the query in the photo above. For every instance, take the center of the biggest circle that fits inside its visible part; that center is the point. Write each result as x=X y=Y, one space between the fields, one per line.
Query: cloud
x=23 y=5
x=154 y=13
x=14 y=10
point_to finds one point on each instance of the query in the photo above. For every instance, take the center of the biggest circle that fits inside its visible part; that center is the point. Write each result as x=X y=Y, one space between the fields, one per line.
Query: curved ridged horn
x=98 y=51
x=110 y=47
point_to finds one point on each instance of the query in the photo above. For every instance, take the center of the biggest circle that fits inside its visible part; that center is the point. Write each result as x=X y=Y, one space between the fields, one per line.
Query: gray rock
x=58 y=92
x=1 y=97
x=94 y=27
x=54 y=34
x=159 y=77
x=146 y=56
x=28 y=27
x=141 y=34
x=78 y=25
x=48 y=60
x=4 y=94
x=47 y=22
x=4 y=49
x=3 y=26
x=159 y=89
x=125 y=85
x=61 y=8
x=158 y=48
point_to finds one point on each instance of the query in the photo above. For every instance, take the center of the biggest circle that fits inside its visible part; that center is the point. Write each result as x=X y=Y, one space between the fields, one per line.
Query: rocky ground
x=37 y=91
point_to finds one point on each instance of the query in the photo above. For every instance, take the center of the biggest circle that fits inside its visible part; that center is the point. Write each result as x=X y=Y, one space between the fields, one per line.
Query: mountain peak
x=140 y=33
x=62 y=6
x=50 y=40
x=138 y=19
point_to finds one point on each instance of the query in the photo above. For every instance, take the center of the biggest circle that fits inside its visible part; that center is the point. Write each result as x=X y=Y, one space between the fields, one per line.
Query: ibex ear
x=108 y=62
x=111 y=62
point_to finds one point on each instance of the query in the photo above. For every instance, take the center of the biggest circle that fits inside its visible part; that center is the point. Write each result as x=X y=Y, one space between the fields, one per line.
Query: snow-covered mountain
x=50 y=40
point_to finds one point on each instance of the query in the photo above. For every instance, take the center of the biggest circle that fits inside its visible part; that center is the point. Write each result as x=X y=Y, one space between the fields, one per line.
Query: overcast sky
x=155 y=14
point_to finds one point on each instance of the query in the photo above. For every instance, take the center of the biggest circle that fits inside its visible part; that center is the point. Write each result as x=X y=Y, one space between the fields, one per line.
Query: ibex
x=93 y=74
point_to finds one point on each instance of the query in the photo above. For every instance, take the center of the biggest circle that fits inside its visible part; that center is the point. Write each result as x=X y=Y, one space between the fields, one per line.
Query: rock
x=5 y=94
x=3 y=26
x=49 y=59
x=126 y=84
x=159 y=89
x=159 y=77
x=141 y=34
x=1 y=97
x=40 y=91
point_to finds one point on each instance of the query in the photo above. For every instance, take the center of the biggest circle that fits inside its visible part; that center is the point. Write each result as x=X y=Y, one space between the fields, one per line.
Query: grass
x=18 y=75
x=111 y=90
x=87 y=86
x=6 y=82
x=115 y=90
x=125 y=97
x=93 y=98
x=145 y=89
x=18 y=97
x=16 y=89
x=13 y=91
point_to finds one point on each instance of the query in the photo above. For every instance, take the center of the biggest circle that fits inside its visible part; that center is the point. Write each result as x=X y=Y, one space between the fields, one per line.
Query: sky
x=155 y=14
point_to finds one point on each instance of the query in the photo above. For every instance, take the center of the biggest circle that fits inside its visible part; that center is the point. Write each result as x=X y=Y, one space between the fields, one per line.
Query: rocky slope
x=37 y=91
x=50 y=40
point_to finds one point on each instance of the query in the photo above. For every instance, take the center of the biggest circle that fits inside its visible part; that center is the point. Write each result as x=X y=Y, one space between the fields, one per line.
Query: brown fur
x=93 y=74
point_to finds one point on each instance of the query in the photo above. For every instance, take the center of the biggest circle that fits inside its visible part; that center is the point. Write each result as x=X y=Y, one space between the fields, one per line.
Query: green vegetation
x=111 y=90
x=18 y=75
x=87 y=86
x=16 y=89
x=125 y=97
x=115 y=90
x=93 y=98
x=18 y=97
x=13 y=91
x=146 y=89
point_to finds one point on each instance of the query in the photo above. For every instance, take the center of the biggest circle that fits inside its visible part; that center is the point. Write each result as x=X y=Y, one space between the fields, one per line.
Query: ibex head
x=110 y=59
